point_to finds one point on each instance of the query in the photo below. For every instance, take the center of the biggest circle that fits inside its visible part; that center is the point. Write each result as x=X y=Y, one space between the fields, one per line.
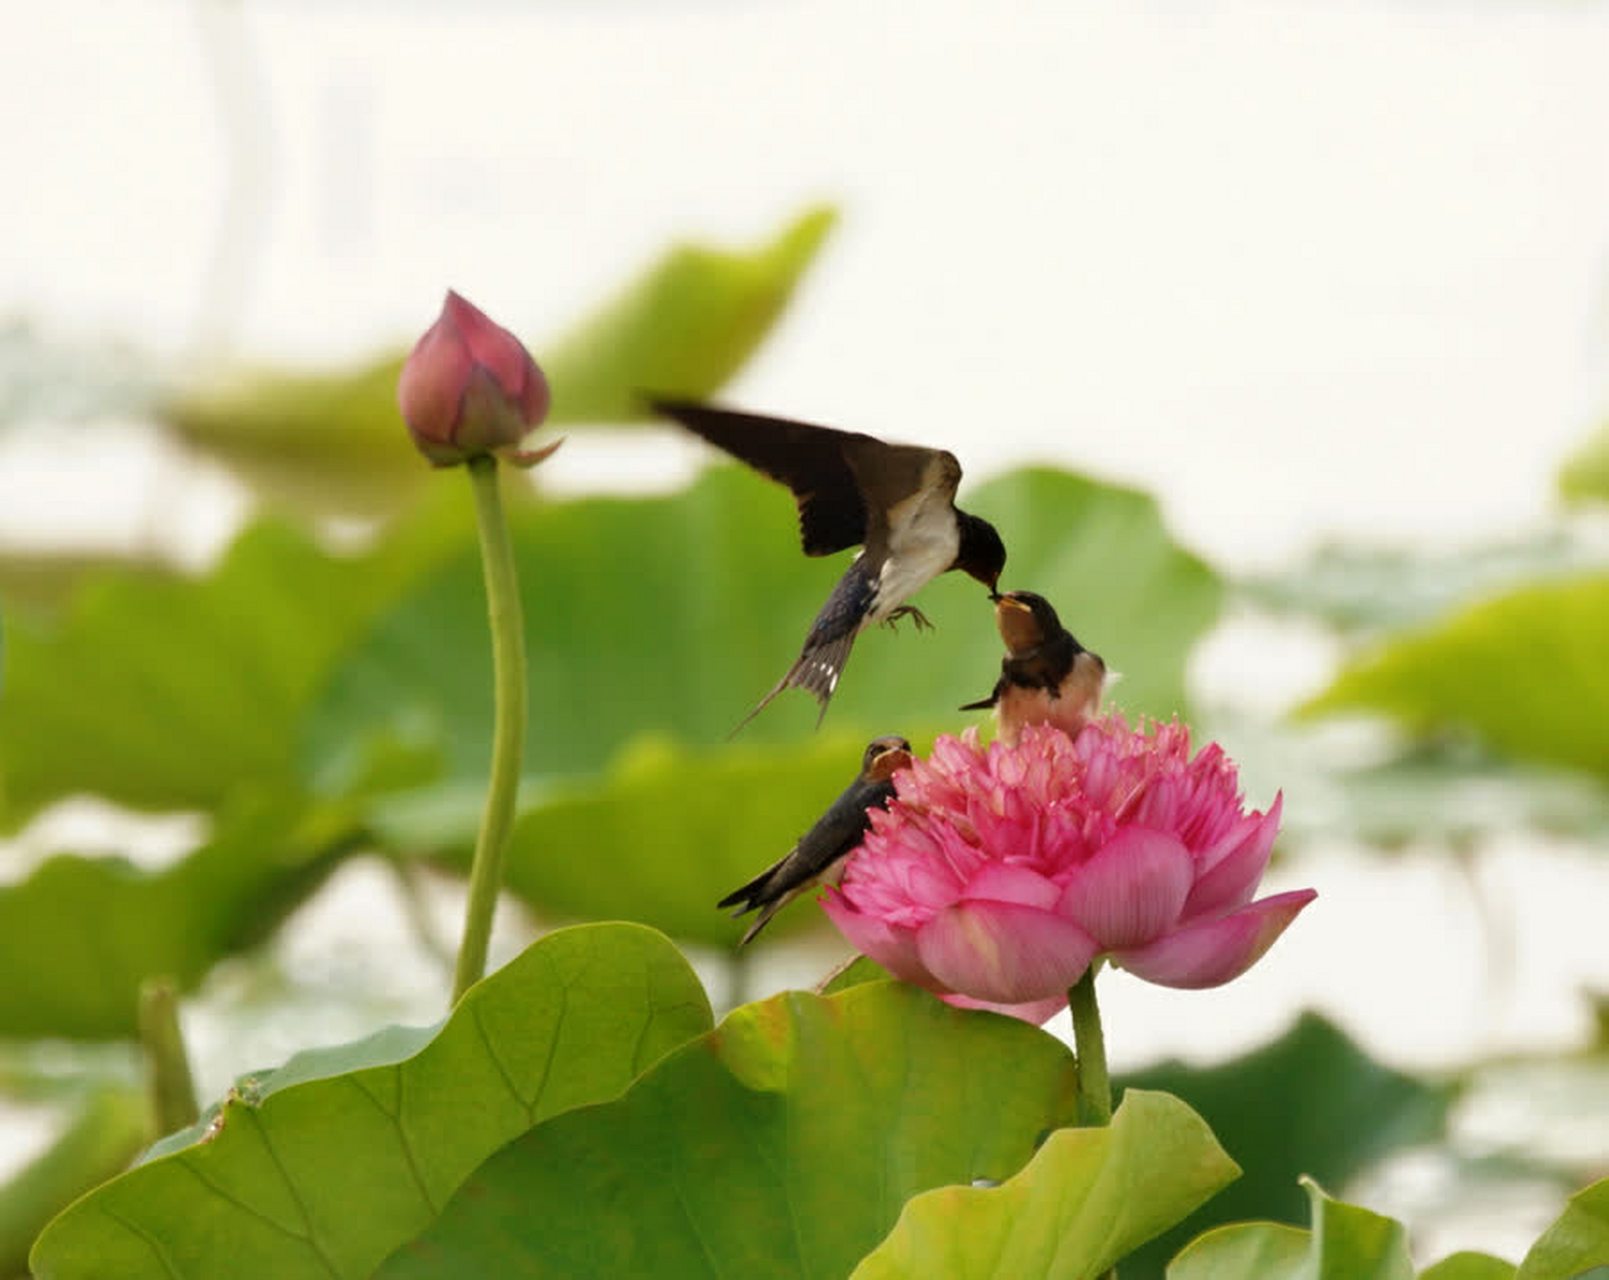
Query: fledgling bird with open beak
x=1046 y=677
x=895 y=501
x=819 y=856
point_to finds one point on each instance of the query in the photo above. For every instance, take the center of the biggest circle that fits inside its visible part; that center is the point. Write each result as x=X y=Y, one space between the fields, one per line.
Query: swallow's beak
x=887 y=763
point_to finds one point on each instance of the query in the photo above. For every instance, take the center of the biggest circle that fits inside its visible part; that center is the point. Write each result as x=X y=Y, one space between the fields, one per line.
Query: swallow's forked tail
x=817 y=671
x=754 y=896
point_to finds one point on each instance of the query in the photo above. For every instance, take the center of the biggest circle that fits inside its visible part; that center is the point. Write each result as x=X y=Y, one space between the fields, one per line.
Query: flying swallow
x=1046 y=675
x=895 y=501
x=821 y=852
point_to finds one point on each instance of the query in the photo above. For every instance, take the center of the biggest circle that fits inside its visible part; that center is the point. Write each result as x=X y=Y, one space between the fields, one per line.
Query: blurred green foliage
x=89 y=930
x=1584 y=478
x=1525 y=672
x=166 y=692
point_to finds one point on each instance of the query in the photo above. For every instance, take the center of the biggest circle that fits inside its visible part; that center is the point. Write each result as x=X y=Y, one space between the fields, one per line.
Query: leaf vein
x=158 y=1250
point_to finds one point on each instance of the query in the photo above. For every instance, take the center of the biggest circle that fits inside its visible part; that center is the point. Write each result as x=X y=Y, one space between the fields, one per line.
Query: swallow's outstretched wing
x=847 y=485
x=809 y=459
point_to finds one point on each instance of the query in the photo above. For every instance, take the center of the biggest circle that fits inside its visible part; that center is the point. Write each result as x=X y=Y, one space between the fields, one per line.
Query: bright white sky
x=1301 y=268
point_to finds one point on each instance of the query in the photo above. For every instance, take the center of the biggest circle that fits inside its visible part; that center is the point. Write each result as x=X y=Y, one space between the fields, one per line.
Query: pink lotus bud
x=469 y=388
x=995 y=877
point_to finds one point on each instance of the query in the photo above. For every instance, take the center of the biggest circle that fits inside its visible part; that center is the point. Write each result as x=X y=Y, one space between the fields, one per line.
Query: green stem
x=1094 y=1085
x=169 y=1088
x=508 y=731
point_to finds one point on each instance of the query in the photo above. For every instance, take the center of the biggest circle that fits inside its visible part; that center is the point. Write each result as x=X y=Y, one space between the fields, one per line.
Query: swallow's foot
x=908 y=611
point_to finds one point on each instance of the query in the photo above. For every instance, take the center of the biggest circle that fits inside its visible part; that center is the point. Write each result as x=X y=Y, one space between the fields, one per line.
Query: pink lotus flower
x=996 y=876
x=470 y=388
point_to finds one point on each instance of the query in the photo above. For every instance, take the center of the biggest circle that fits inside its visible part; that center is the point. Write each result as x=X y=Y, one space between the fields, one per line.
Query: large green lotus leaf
x=1310 y=1102
x=105 y=1132
x=671 y=616
x=1576 y=1243
x=1585 y=474
x=325 y=1177
x=684 y=326
x=1524 y=672
x=1087 y=1198
x=87 y=931
x=785 y=1143
x=167 y=692
x=1345 y=1243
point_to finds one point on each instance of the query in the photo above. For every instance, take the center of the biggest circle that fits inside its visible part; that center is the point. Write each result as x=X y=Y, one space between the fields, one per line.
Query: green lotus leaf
x=784 y=1143
x=1087 y=1198
x=1310 y=1102
x=1576 y=1243
x=1345 y=1243
x=322 y=1176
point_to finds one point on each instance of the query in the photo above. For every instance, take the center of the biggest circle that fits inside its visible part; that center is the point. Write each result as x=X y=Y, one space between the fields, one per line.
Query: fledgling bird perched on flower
x=895 y=501
x=1046 y=677
x=819 y=855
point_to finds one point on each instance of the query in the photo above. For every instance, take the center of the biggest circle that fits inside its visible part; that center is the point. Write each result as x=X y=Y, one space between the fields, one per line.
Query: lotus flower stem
x=508 y=730
x=172 y=1095
x=1094 y=1085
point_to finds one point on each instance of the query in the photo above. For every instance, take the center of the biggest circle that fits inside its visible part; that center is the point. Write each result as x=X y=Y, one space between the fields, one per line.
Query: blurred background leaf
x=87 y=931
x=1584 y=478
x=333 y=441
x=168 y=692
x=1524 y=672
